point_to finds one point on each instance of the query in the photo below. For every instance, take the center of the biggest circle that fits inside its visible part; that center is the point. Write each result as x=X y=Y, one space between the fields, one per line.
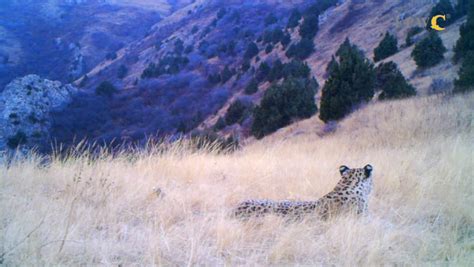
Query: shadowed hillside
x=64 y=39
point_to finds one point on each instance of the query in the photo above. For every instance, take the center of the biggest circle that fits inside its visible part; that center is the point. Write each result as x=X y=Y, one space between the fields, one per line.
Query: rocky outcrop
x=25 y=110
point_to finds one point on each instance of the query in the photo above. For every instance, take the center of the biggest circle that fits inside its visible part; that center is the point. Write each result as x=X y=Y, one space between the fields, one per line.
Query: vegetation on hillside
x=252 y=87
x=170 y=64
x=465 y=82
x=465 y=42
x=301 y=50
x=429 y=51
x=387 y=47
x=412 y=32
x=106 y=88
x=443 y=7
x=351 y=81
x=294 y=19
x=293 y=99
x=392 y=83
x=465 y=51
x=237 y=112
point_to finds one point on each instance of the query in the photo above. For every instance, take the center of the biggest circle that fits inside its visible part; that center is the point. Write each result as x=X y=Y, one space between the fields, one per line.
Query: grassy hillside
x=79 y=211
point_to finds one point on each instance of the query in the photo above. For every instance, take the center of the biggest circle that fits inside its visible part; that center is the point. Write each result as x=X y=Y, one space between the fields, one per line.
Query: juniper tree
x=429 y=51
x=294 y=99
x=412 y=32
x=252 y=87
x=351 y=81
x=465 y=51
x=252 y=51
x=235 y=112
x=106 y=88
x=387 y=47
x=466 y=41
x=301 y=50
x=465 y=82
x=443 y=7
x=310 y=26
x=294 y=19
x=392 y=83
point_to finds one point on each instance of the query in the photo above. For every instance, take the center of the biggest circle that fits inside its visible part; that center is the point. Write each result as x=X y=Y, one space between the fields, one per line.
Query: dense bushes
x=252 y=51
x=270 y=19
x=465 y=42
x=167 y=65
x=429 y=51
x=269 y=49
x=237 y=112
x=18 y=139
x=294 y=19
x=443 y=7
x=281 y=104
x=296 y=69
x=351 y=81
x=301 y=50
x=465 y=51
x=221 y=13
x=122 y=71
x=111 y=56
x=465 y=82
x=106 y=88
x=263 y=72
x=178 y=47
x=219 y=125
x=252 y=87
x=276 y=72
x=310 y=26
x=320 y=6
x=462 y=8
x=392 y=83
x=224 y=76
x=273 y=36
x=285 y=40
x=387 y=47
x=412 y=32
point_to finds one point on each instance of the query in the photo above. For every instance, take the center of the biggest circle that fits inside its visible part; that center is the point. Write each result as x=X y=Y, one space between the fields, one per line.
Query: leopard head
x=355 y=176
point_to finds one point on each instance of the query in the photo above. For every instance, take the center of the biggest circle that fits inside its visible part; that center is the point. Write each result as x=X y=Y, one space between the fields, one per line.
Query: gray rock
x=25 y=110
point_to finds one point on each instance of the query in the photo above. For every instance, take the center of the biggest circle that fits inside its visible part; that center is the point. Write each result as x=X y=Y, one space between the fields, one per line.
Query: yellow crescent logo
x=434 y=22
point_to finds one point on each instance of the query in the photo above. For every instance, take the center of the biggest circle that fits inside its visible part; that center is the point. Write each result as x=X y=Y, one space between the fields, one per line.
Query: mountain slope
x=171 y=82
x=63 y=39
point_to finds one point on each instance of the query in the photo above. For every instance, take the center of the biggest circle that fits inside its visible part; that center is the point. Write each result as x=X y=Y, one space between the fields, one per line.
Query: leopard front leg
x=362 y=207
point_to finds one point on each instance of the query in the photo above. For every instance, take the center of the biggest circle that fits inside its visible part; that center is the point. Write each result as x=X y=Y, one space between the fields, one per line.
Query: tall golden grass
x=103 y=211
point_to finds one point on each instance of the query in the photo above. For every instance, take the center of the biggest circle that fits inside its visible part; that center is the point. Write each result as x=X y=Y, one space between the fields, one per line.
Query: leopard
x=351 y=193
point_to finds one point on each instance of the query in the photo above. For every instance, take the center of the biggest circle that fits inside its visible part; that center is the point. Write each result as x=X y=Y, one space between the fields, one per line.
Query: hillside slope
x=64 y=39
x=105 y=211
x=438 y=79
x=167 y=83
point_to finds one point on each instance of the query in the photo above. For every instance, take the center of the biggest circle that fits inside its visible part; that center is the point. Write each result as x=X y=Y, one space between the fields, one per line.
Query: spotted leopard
x=351 y=192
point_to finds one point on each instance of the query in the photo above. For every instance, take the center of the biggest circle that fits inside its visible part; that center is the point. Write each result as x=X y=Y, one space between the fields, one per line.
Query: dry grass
x=103 y=212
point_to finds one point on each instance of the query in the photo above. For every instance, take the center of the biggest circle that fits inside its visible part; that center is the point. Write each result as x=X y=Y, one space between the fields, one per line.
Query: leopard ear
x=368 y=170
x=343 y=169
